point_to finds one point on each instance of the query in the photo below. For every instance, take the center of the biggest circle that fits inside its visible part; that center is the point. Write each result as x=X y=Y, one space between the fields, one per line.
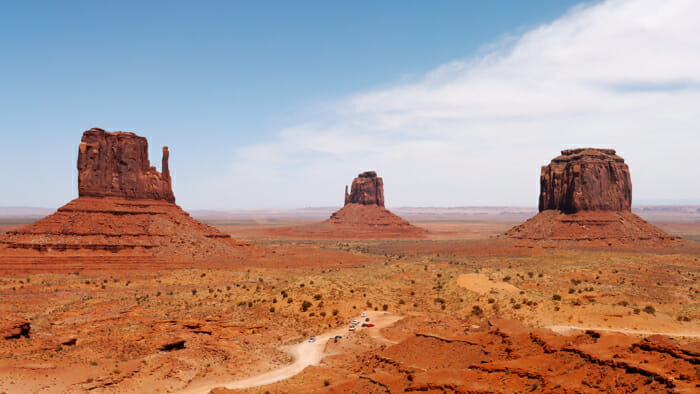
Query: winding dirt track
x=304 y=353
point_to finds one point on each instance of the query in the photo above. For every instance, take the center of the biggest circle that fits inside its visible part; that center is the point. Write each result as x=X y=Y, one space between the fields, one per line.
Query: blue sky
x=263 y=103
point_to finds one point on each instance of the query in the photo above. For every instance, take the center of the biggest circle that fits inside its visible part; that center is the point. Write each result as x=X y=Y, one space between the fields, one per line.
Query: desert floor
x=457 y=310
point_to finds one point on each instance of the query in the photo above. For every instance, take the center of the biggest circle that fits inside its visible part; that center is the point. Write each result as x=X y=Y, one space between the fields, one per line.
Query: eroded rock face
x=586 y=179
x=116 y=165
x=367 y=189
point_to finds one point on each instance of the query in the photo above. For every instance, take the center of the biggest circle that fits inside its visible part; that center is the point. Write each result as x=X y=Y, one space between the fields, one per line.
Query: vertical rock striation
x=116 y=165
x=586 y=179
x=367 y=189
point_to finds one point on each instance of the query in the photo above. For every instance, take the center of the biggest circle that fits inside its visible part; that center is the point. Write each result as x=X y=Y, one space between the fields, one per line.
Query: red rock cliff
x=367 y=189
x=116 y=165
x=586 y=179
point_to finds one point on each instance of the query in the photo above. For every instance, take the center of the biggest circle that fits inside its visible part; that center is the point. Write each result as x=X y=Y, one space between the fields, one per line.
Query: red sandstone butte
x=586 y=195
x=116 y=165
x=125 y=216
x=367 y=189
x=364 y=208
x=586 y=179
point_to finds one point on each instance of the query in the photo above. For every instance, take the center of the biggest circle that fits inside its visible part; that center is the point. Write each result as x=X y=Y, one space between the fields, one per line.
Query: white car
x=364 y=314
x=355 y=322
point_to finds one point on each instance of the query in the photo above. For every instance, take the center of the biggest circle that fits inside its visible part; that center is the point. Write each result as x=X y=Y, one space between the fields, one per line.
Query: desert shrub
x=272 y=309
x=636 y=311
x=323 y=313
x=401 y=302
x=530 y=274
x=326 y=382
x=284 y=294
x=194 y=291
x=335 y=312
x=516 y=306
x=491 y=300
x=576 y=282
x=290 y=300
x=385 y=307
x=576 y=302
x=440 y=300
x=649 y=309
x=623 y=303
x=572 y=290
x=305 y=306
x=556 y=297
x=250 y=304
x=317 y=297
x=506 y=278
x=477 y=311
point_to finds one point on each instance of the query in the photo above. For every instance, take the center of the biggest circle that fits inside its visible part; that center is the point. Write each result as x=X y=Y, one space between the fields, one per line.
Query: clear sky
x=279 y=104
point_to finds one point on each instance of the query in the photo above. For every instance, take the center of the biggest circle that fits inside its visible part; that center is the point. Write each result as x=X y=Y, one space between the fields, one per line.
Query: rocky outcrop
x=124 y=216
x=586 y=196
x=364 y=214
x=116 y=165
x=586 y=179
x=367 y=189
x=14 y=328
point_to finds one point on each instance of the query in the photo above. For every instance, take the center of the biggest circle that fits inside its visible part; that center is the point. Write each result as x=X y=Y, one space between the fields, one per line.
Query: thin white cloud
x=622 y=74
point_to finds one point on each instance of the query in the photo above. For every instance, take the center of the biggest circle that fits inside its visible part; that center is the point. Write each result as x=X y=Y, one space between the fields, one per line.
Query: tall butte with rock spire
x=125 y=214
x=364 y=209
x=586 y=196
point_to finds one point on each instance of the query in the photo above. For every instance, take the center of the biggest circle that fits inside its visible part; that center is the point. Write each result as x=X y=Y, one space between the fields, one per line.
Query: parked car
x=352 y=328
x=355 y=322
x=370 y=325
x=364 y=324
x=312 y=339
x=338 y=337
x=364 y=314
x=367 y=319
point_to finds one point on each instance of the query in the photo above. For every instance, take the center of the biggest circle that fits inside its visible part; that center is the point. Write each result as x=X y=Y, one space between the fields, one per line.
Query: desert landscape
x=229 y=197
x=121 y=290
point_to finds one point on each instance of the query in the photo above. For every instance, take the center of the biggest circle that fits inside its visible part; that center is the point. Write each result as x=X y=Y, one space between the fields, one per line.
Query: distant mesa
x=586 y=195
x=367 y=189
x=125 y=209
x=364 y=208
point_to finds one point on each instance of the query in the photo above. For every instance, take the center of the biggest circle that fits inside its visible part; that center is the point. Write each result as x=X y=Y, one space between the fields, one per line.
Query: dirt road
x=305 y=353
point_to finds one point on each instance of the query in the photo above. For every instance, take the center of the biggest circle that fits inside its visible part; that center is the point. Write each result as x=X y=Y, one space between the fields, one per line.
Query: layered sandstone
x=586 y=179
x=125 y=213
x=116 y=165
x=367 y=189
x=586 y=195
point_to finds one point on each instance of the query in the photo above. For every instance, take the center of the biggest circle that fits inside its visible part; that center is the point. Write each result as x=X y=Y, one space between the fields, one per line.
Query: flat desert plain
x=459 y=309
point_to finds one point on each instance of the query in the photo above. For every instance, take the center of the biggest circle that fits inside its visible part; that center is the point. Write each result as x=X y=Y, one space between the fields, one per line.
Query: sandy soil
x=100 y=327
